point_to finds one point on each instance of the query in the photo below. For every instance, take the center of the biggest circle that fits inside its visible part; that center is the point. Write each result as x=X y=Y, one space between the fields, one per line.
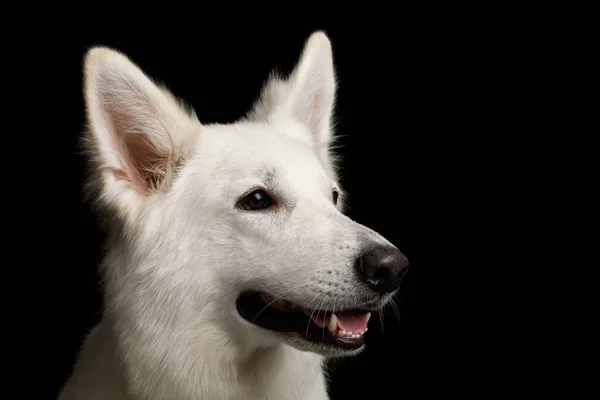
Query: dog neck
x=212 y=363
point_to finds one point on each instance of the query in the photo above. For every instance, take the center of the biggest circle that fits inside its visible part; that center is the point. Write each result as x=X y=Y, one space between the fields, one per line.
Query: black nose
x=382 y=268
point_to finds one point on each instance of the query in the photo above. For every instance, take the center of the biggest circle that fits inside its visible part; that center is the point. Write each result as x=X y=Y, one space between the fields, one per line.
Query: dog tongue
x=351 y=322
x=348 y=321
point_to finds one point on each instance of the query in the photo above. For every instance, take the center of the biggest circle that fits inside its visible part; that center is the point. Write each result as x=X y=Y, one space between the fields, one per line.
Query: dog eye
x=257 y=200
x=335 y=194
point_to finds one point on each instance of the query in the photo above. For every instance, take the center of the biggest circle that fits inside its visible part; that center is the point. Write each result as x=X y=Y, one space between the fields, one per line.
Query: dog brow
x=267 y=175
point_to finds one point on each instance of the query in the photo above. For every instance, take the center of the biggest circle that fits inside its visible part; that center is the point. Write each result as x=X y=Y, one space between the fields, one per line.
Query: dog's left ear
x=312 y=86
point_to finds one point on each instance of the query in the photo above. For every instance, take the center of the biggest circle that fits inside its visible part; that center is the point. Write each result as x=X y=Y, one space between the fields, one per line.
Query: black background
x=383 y=112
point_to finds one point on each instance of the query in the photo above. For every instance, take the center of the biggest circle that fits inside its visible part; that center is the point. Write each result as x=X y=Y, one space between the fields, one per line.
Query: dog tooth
x=368 y=316
x=342 y=333
x=332 y=324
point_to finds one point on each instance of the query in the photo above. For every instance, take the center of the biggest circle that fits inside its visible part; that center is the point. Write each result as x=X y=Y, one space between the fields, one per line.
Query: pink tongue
x=351 y=322
x=321 y=320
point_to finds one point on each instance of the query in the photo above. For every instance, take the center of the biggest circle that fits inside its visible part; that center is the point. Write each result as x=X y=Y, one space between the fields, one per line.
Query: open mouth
x=344 y=329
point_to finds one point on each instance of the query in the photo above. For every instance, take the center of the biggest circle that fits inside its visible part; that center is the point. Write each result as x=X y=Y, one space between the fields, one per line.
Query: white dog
x=231 y=271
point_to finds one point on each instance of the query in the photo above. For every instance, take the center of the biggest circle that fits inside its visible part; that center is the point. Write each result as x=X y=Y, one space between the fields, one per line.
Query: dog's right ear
x=138 y=133
x=312 y=88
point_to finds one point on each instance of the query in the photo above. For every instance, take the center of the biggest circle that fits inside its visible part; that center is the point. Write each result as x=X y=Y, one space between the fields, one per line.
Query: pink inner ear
x=140 y=167
x=147 y=162
x=315 y=117
x=144 y=166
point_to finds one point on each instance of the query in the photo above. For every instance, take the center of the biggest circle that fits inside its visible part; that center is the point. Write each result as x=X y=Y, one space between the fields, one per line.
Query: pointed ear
x=137 y=135
x=312 y=86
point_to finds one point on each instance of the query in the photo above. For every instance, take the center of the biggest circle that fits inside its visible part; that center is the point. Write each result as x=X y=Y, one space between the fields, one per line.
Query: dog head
x=240 y=225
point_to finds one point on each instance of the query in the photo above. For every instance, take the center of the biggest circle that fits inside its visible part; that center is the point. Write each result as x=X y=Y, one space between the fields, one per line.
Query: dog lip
x=289 y=319
x=287 y=306
x=372 y=306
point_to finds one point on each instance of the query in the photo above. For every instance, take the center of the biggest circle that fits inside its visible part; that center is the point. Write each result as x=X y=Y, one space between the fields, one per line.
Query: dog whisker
x=310 y=319
x=280 y=296
x=333 y=308
x=396 y=309
x=319 y=312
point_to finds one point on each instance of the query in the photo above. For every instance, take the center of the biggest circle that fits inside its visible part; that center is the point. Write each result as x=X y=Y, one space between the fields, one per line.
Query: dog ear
x=138 y=133
x=312 y=87
x=308 y=95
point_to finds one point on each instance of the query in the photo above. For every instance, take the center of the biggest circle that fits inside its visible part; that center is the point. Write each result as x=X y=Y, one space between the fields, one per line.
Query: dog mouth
x=343 y=329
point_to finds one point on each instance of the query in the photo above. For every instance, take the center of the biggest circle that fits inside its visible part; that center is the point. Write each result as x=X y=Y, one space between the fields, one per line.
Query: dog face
x=237 y=225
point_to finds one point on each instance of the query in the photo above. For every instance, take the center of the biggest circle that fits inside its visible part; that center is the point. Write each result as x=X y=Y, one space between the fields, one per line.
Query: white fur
x=180 y=251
